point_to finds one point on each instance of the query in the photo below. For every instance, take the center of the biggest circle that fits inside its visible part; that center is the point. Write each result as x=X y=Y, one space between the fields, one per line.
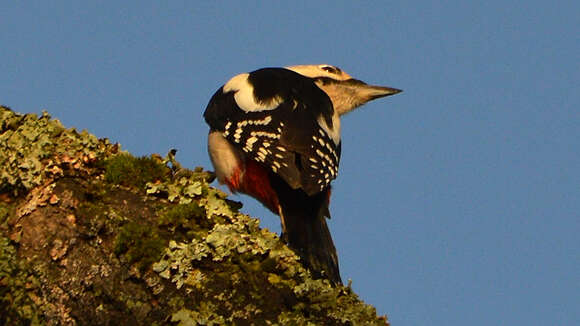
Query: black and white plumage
x=281 y=119
x=275 y=135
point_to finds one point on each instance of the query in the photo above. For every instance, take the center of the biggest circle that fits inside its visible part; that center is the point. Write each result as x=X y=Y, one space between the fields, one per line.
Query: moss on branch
x=91 y=235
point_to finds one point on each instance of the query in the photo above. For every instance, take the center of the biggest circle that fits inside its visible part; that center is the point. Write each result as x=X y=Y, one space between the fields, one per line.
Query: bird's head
x=345 y=92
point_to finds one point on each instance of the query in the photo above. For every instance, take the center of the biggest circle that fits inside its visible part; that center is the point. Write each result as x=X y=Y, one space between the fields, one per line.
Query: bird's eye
x=330 y=69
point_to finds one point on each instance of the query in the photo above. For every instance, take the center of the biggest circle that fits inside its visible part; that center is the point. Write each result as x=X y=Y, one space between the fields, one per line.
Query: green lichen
x=139 y=244
x=127 y=170
x=185 y=186
x=16 y=288
x=181 y=215
x=192 y=256
x=256 y=264
x=189 y=219
x=95 y=218
x=192 y=187
x=5 y=212
x=204 y=315
x=178 y=262
x=34 y=148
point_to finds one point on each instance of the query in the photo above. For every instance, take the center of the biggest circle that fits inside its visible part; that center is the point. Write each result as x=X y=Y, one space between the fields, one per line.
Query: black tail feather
x=306 y=230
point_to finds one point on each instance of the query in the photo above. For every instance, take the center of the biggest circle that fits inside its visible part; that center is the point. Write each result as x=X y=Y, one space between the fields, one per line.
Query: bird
x=275 y=136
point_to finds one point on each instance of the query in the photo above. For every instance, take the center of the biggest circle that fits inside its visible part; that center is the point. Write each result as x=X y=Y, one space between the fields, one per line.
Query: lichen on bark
x=91 y=235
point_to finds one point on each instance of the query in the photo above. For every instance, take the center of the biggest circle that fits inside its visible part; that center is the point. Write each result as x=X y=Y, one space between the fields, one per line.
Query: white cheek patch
x=244 y=95
x=334 y=132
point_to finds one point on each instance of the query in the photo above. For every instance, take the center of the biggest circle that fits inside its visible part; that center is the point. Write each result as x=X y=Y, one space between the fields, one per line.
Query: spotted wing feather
x=288 y=139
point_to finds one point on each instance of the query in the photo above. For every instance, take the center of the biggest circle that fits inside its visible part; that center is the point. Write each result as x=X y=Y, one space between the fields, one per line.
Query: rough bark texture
x=91 y=235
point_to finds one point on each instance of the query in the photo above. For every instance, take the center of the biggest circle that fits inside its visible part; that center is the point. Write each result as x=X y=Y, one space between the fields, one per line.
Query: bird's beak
x=349 y=94
x=381 y=91
x=371 y=92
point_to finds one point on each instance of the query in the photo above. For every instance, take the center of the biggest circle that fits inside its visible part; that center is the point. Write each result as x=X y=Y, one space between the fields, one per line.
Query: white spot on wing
x=294 y=104
x=227 y=129
x=264 y=122
x=250 y=143
x=264 y=134
x=238 y=135
x=251 y=140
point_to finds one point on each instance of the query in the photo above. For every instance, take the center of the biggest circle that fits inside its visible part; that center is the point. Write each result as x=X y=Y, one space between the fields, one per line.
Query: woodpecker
x=275 y=135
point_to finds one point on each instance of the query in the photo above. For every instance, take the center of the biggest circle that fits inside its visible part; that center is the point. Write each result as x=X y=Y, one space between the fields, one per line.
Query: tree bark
x=91 y=235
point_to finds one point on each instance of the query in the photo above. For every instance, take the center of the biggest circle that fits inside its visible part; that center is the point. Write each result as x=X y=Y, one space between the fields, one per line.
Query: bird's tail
x=306 y=232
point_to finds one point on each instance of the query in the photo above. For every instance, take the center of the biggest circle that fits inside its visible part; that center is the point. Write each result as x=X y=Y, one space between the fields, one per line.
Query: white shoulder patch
x=236 y=83
x=244 y=95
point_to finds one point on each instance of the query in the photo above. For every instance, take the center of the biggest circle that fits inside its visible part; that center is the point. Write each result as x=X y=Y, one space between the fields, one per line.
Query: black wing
x=288 y=138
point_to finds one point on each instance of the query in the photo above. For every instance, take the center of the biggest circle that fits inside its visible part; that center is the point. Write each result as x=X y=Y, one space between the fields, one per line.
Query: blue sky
x=457 y=201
